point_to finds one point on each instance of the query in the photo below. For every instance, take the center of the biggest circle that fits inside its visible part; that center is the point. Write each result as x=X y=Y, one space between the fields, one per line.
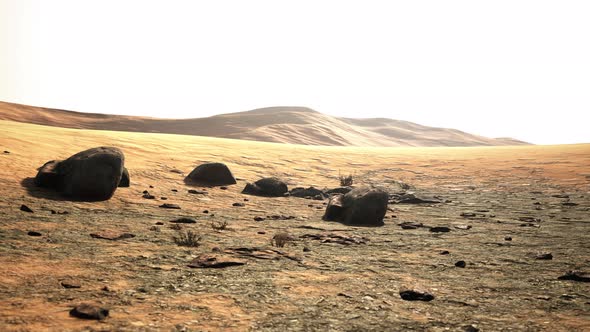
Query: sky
x=495 y=68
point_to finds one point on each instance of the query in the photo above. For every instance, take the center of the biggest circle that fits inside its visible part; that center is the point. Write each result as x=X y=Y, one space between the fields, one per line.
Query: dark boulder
x=47 y=175
x=270 y=187
x=211 y=174
x=360 y=207
x=90 y=175
x=124 y=178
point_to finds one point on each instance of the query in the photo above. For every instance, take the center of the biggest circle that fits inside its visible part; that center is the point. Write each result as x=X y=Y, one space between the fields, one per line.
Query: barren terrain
x=293 y=125
x=539 y=196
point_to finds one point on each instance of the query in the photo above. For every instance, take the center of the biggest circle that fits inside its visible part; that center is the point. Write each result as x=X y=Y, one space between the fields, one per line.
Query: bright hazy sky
x=495 y=68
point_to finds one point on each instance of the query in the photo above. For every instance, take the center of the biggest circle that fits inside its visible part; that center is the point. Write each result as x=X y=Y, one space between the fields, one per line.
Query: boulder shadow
x=50 y=194
x=40 y=192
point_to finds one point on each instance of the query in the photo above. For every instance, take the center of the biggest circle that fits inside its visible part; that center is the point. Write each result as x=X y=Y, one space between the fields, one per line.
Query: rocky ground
x=505 y=210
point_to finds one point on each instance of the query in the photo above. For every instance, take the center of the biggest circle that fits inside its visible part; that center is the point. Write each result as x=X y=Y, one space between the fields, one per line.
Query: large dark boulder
x=270 y=187
x=211 y=174
x=90 y=175
x=47 y=175
x=125 y=181
x=360 y=207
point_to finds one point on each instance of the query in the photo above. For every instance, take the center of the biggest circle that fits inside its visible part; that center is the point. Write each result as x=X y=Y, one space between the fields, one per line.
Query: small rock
x=561 y=196
x=261 y=232
x=461 y=264
x=110 y=235
x=197 y=192
x=440 y=229
x=306 y=249
x=444 y=252
x=145 y=192
x=238 y=204
x=212 y=261
x=70 y=284
x=569 y=204
x=53 y=212
x=246 y=200
x=148 y=196
x=410 y=225
x=25 y=208
x=205 y=211
x=88 y=311
x=544 y=256
x=184 y=221
x=258 y=218
x=416 y=294
x=174 y=190
x=163 y=198
x=170 y=206
x=223 y=188
x=151 y=186
x=159 y=223
x=463 y=227
x=33 y=233
x=470 y=328
x=6 y=152
x=507 y=238
x=468 y=215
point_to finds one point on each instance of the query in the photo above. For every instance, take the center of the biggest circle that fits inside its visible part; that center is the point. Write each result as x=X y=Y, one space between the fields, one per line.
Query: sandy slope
x=295 y=125
x=146 y=283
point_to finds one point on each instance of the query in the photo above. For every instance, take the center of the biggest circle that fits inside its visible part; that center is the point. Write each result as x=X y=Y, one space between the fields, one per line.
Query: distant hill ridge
x=293 y=125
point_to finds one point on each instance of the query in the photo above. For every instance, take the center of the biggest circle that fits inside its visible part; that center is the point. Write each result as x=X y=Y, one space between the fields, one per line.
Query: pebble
x=33 y=233
x=461 y=264
x=238 y=204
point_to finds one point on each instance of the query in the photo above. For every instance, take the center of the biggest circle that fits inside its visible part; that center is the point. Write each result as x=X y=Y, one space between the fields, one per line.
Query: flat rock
x=310 y=192
x=89 y=311
x=170 y=206
x=33 y=233
x=440 y=229
x=544 y=256
x=111 y=235
x=581 y=276
x=184 y=221
x=215 y=261
x=410 y=198
x=415 y=294
x=70 y=284
x=410 y=225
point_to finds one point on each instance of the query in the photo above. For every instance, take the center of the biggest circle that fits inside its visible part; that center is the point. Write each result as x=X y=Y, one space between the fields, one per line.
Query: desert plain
x=504 y=207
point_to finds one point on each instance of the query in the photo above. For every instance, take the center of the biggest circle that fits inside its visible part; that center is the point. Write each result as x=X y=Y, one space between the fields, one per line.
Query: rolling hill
x=293 y=125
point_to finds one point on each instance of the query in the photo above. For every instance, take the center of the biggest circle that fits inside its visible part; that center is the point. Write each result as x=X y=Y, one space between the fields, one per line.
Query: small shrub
x=219 y=226
x=281 y=239
x=187 y=239
x=176 y=227
x=346 y=181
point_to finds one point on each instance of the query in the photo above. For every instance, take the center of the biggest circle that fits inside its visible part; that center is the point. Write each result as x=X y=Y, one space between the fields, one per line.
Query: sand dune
x=294 y=125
